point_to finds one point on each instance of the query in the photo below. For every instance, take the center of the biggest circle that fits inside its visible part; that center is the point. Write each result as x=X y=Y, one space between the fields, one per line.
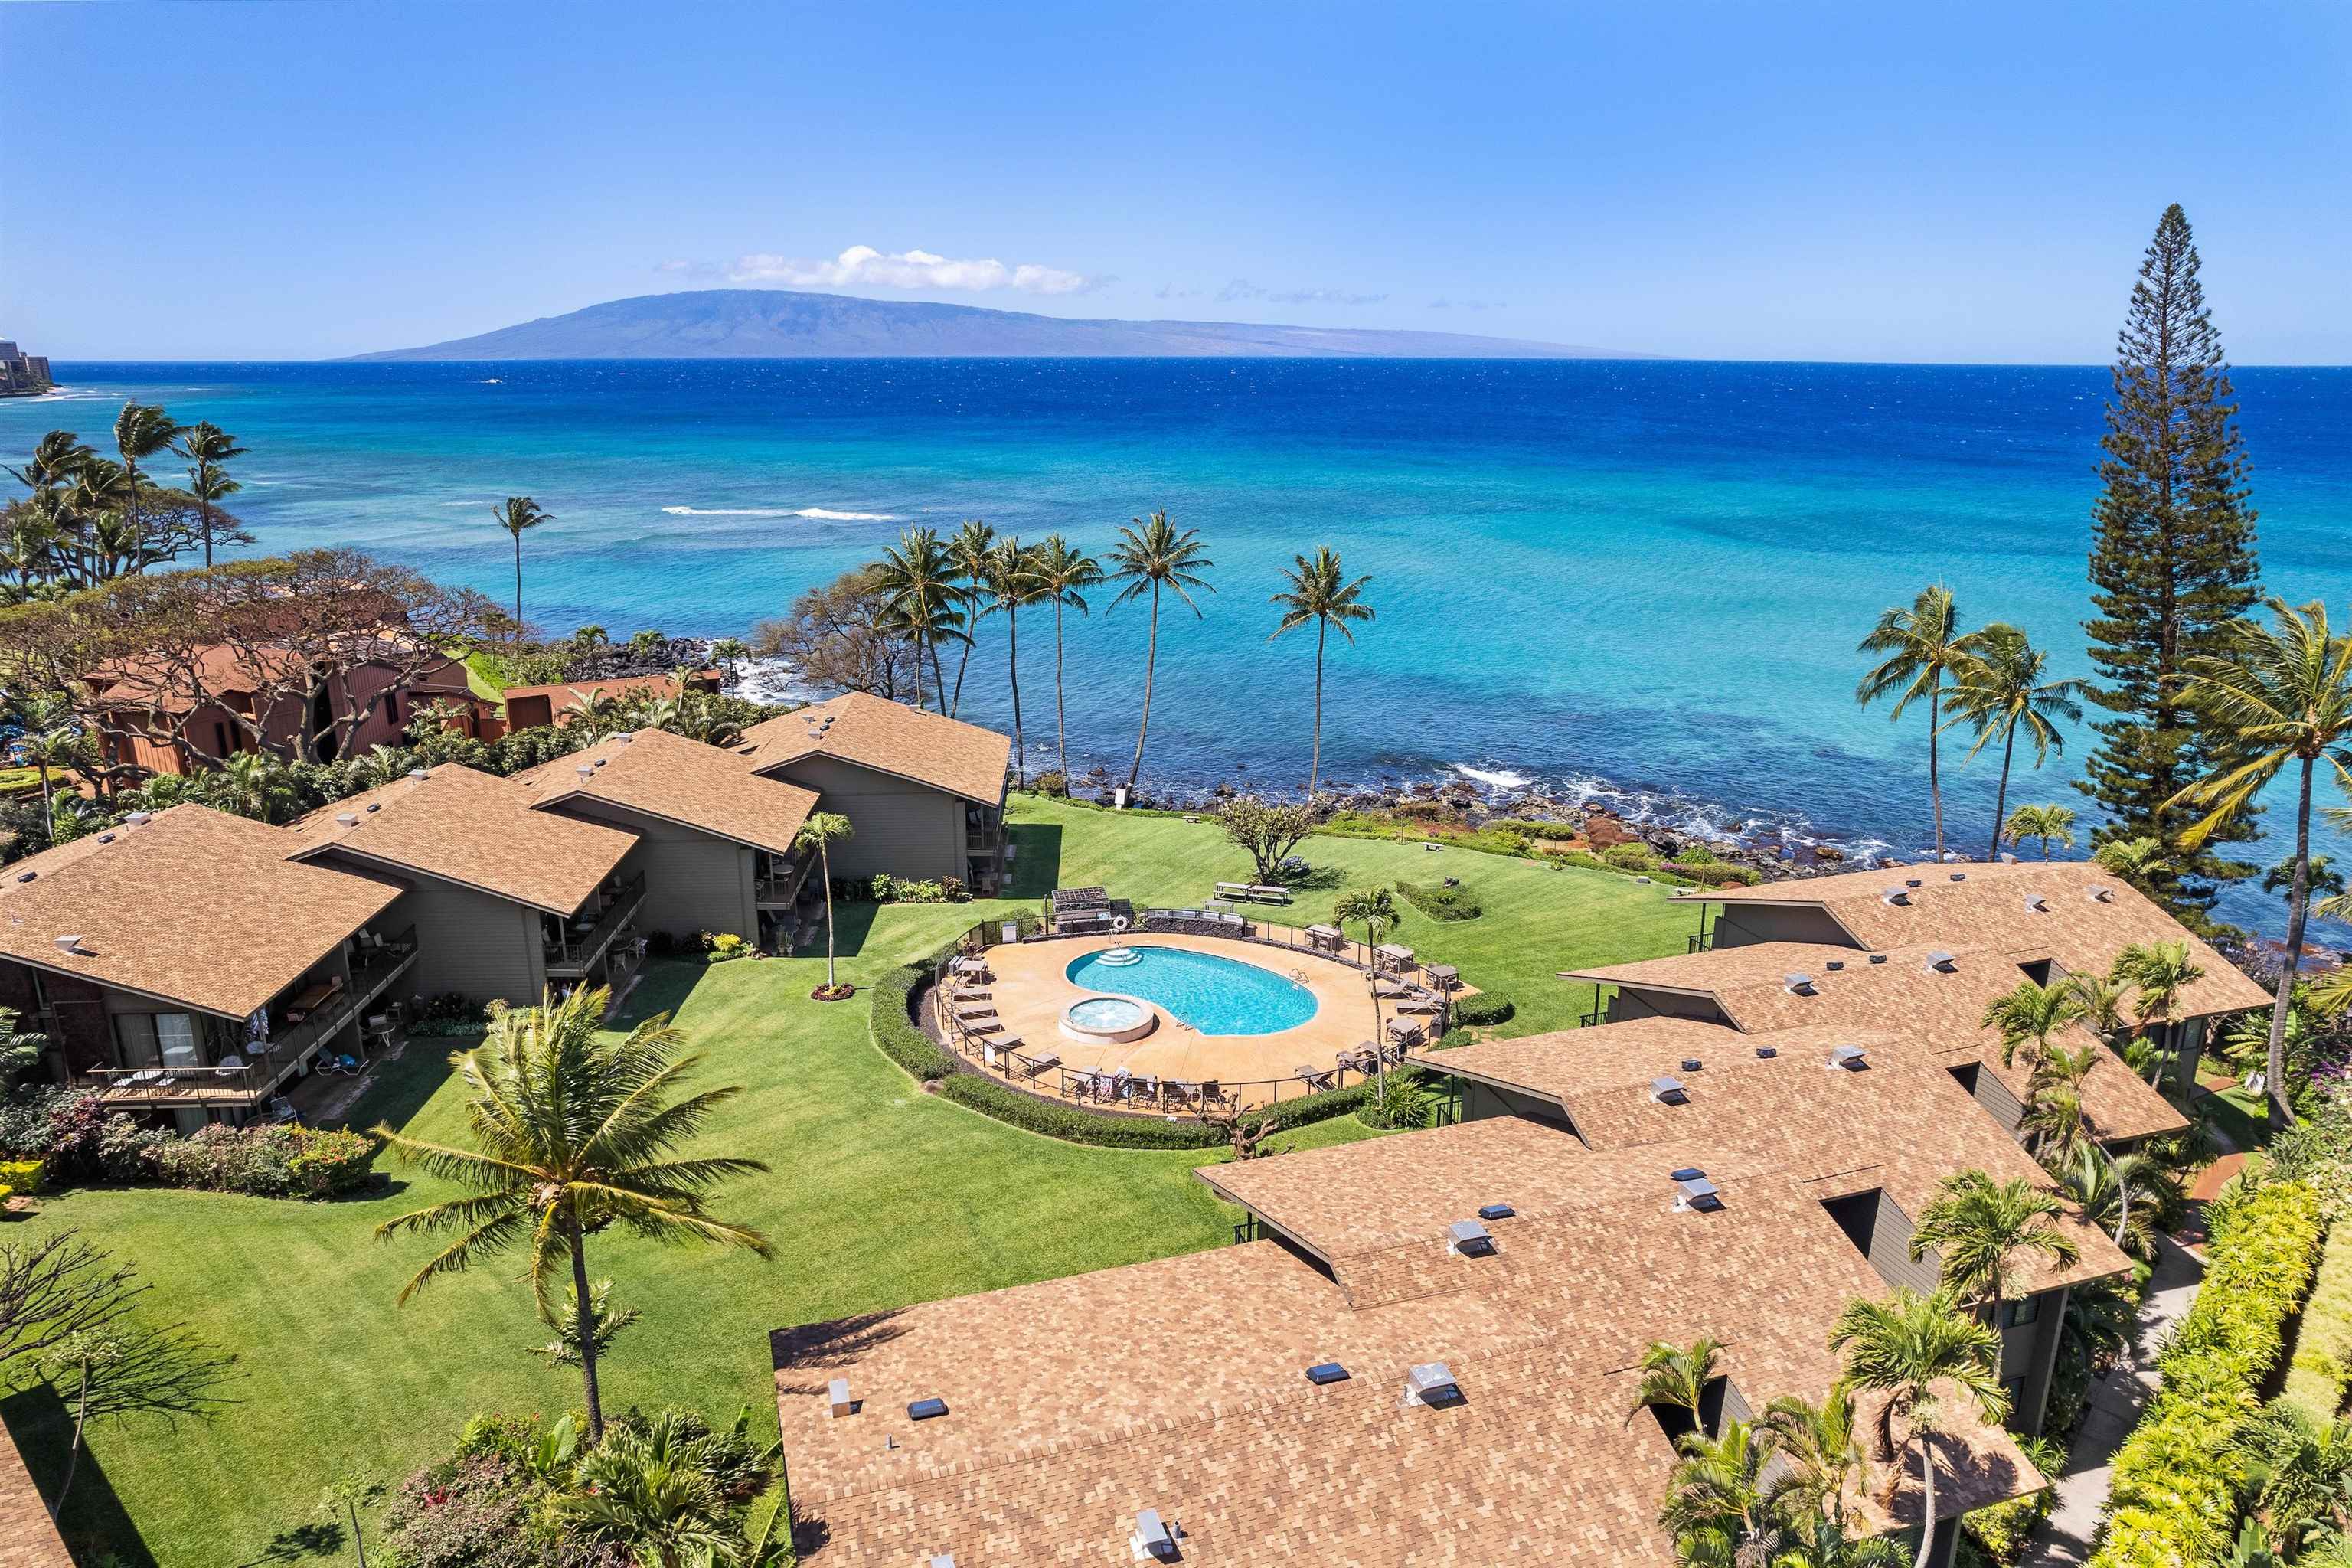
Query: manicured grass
x=880 y=1196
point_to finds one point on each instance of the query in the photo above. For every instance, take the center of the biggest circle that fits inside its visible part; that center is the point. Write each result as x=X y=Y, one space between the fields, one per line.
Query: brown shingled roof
x=471 y=828
x=889 y=737
x=196 y=906
x=682 y=781
x=2076 y=912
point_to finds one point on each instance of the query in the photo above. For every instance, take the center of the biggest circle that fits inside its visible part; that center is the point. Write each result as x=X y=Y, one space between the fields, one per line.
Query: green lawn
x=880 y=1196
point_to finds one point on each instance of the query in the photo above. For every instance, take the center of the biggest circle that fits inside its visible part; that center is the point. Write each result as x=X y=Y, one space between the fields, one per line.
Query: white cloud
x=1467 y=305
x=1243 y=288
x=863 y=267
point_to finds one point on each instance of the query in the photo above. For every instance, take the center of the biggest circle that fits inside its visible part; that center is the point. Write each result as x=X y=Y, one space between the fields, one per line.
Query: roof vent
x=584 y=771
x=1496 y=1210
x=26 y=876
x=106 y=838
x=1834 y=965
x=1697 y=1195
x=1154 y=1542
x=2008 y=858
x=375 y=805
x=1895 y=896
x=602 y=760
x=2035 y=904
x=69 y=943
x=1960 y=876
x=1911 y=881
x=1942 y=961
x=1669 y=1091
x=1853 y=1059
x=416 y=772
x=2100 y=895
x=1468 y=1239
x=1877 y=958
x=925 y=1409
x=140 y=818
x=943 y=1560
x=348 y=818
x=1692 y=1064
x=1432 y=1382
x=836 y=1394
x=1688 y=1174
x=1765 y=1052
x=1797 y=984
x=1327 y=1372
x=625 y=736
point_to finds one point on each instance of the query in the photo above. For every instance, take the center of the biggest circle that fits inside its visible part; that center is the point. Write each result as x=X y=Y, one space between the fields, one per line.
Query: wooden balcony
x=575 y=951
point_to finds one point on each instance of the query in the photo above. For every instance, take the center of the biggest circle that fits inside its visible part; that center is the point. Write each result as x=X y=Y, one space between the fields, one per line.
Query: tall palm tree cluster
x=89 y=518
x=939 y=589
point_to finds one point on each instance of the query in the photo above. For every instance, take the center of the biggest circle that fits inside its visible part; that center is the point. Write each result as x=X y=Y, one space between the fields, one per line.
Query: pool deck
x=1030 y=991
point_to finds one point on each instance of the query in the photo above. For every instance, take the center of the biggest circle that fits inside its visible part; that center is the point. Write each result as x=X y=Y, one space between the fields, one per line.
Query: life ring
x=1118 y=922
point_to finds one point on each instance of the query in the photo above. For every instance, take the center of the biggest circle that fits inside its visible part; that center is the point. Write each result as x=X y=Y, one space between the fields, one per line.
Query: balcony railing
x=572 y=953
x=782 y=885
x=262 y=1066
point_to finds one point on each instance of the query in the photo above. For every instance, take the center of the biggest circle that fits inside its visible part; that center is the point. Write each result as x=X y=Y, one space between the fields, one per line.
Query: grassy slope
x=880 y=1196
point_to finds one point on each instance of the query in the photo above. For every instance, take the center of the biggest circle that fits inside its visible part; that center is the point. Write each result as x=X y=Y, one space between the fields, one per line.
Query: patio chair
x=281 y=1111
x=1177 y=1096
x=1213 y=1093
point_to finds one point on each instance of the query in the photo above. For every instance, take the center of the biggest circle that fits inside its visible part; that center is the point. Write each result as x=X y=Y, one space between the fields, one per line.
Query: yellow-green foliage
x=2322 y=1347
x=21 y=1175
x=2174 y=1501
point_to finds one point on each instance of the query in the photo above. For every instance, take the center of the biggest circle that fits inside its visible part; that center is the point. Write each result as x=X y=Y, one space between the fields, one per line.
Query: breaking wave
x=818 y=513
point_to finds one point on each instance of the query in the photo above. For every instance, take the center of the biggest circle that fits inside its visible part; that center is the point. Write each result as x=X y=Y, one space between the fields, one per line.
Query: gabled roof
x=196 y=906
x=2076 y=912
x=469 y=827
x=652 y=771
x=170 y=684
x=889 y=737
x=1905 y=996
x=561 y=693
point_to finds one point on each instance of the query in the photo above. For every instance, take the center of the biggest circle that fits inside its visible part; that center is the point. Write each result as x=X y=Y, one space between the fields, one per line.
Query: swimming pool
x=1215 y=995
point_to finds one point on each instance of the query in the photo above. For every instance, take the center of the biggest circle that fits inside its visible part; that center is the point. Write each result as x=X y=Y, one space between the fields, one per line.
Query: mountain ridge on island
x=777 y=323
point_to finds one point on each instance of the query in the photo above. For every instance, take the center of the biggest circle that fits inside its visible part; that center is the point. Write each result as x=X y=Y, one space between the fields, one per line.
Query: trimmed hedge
x=1486 y=1007
x=896 y=1033
x=1716 y=873
x=2321 y=1367
x=1440 y=902
x=2175 y=1495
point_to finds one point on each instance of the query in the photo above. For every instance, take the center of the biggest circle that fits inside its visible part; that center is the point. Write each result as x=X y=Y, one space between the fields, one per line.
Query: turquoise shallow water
x=1639 y=578
x=1215 y=995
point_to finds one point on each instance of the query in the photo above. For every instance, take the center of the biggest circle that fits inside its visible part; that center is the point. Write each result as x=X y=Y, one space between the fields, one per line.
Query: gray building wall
x=695 y=881
x=902 y=828
x=1482 y=1101
x=1741 y=925
x=2029 y=1353
x=473 y=942
x=1876 y=1224
x=1628 y=1003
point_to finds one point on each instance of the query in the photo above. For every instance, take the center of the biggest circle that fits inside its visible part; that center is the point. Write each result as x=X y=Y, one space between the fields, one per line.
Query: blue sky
x=1751 y=181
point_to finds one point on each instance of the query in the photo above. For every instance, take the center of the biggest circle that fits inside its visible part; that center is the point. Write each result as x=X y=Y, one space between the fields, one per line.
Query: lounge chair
x=1211 y=1092
x=1313 y=1079
x=988 y=1025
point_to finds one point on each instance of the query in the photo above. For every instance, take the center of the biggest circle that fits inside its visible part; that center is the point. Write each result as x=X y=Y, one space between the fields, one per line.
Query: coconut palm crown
x=1320 y=595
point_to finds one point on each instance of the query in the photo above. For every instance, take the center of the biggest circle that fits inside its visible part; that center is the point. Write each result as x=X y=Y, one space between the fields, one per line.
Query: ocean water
x=1639 y=580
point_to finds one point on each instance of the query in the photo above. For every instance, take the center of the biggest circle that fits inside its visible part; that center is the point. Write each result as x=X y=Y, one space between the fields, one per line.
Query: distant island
x=774 y=323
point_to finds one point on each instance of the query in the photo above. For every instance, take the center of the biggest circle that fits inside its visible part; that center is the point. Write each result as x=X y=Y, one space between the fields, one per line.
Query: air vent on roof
x=625 y=736
x=1698 y=1196
x=942 y=1560
x=1692 y=1064
x=1765 y=1052
x=925 y=1409
x=140 y=818
x=1853 y=1059
x=2035 y=904
x=2008 y=858
x=1894 y=896
x=1432 y=1382
x=1669 y=1091
x=584 y=771
x=416 y=772
x=836 y=1395
x=106 y=838
x=1834 y=964
x=1496 y=1210
x=602 y=760
x=1960 y=876
x=1688 y=1174
x=1797 y=984
x=1910 y=881
x=1326 y=1372
x=1877 y=958
x=1468 y=1239
x=69 y=943
x=26 y=876
x=1152 y=1542
x=2099 y=894
x=1941 y=962
x=348 y=818
x=375 y=805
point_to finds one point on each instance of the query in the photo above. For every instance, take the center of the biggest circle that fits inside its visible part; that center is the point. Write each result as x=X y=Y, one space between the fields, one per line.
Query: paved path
x=2116 y=1401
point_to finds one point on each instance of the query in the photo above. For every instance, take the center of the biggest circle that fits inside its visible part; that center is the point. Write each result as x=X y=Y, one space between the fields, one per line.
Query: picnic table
x=310 y=1000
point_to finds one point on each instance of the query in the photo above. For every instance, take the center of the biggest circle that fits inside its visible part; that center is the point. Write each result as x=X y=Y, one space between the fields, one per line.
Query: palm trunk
x=1013 y=672
x=1061 y=726
x=73 y=1454
x=518 y=541
x=972 y=617
x=48 y=812
x=2122 y=1193
x=1314 y=759
x=1935 y=774
x=205 y=509
x=1150 y=658
x=586 y=1316
x=2298 y=901
x=824 y=870
x=1927 y=1503
x=2000 y=796
x=358 y=1544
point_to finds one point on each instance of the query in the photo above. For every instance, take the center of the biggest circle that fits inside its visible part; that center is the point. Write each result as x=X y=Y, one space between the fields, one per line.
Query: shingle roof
x=1181 y=1385
x=196 y=906
x=2077 y=912
x=472 y=828
x=1905 y=996
x=169 y=684
x=665 y=776
x=889 y=737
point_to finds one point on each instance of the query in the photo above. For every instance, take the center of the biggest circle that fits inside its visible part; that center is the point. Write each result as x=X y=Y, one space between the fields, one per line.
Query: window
x=157 y=1039
x=2021 y=1313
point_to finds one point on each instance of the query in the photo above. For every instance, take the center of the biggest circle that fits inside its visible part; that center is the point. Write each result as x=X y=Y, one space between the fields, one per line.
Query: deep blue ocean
x=1644 y=579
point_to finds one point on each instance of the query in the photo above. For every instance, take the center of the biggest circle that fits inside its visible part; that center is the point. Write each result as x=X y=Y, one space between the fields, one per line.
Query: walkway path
x=2116 y=1401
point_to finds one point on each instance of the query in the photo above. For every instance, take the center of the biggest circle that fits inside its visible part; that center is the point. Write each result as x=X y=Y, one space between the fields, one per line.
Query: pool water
x=1215 y=995
x=1105 y=1014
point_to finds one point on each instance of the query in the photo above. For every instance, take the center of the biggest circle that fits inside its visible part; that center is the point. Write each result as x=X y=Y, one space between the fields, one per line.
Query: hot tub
x=1108 y=1019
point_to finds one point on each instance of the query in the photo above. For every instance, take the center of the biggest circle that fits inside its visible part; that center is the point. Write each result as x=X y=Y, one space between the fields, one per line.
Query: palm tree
x=2056 y=1119
x=2120 y=1193
x=572 y=1128
x=517 y=515
x=140 y=430
x=2030 y=1013
x=730 y=652
x=1999 y=688
x=1903 y=1348
x=1012 y=584
x=207 y=447
x=1921 y=643
x=2284 y=692
x=2159 y=972
x=918 y=584
x=1154 y=555
x=818 y=832
x=1320 y=595
x=59 y=749
x=2044 y=823
x=1674 y=1377
x=1715 y=1505
x=252 y=783
x=1822 y=1544
x=1982 y=1227
x=1821 y=1453
x=1060 y=573
x=2298 y=1472
x=2139 y=861
x=1377 y=909
x=968 y=555
x=652 y=1490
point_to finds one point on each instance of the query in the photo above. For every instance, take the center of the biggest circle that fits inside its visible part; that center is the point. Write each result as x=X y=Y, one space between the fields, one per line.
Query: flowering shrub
x=70 y=1136
x=889 y=890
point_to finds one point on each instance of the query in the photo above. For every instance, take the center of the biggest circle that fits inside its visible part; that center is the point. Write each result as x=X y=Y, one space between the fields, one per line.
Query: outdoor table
x=1444 y=976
